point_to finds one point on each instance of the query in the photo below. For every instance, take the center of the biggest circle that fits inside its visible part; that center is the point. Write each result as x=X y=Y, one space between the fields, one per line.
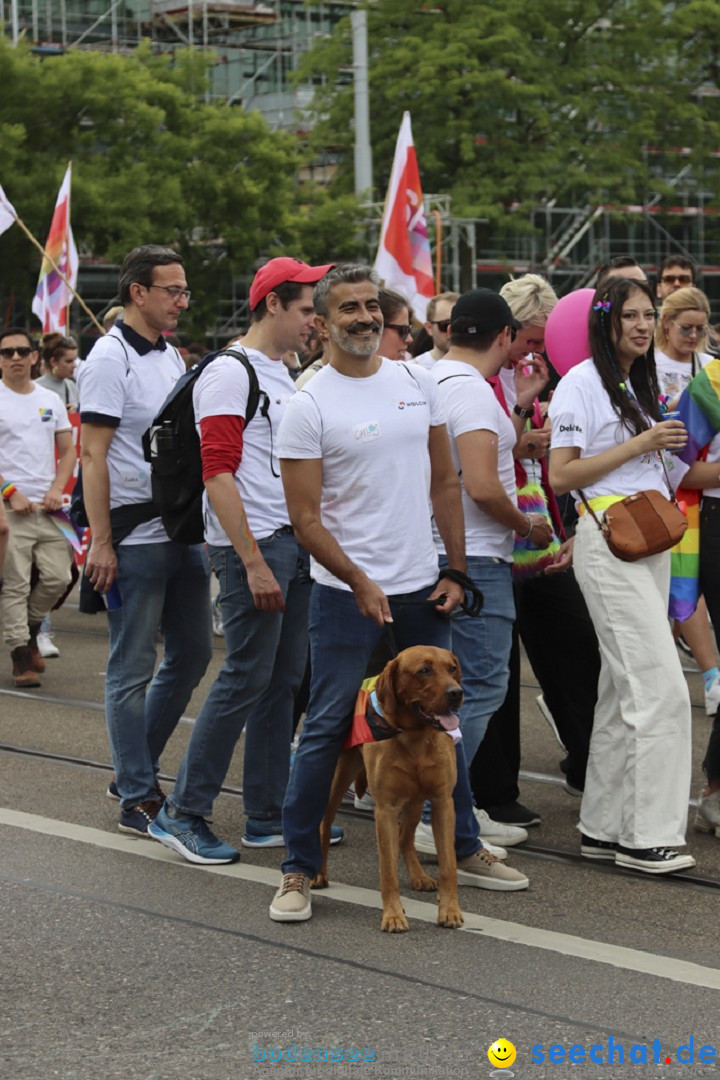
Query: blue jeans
x=163 y=586
x=341 y=644
x=482 y=646
x=255 y=688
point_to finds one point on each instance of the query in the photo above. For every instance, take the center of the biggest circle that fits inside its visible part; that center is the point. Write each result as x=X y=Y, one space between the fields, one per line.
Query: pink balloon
x=566 y=331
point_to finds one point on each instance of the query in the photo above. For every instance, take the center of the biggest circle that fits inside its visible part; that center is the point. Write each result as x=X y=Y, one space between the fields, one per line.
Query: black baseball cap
x=481 y=310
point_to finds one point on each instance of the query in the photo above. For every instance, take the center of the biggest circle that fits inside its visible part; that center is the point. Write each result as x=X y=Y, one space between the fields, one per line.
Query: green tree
x=152 y=163
x=515 y=101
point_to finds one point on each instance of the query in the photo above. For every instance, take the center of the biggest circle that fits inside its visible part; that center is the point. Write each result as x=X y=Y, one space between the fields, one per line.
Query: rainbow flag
x=685 y=559
x=52 y=295
x=699 y=410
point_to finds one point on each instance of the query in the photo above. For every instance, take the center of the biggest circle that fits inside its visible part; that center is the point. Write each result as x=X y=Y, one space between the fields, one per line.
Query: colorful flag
x=685 y=559
x=7 y=212
x=403 y=259
x=52 y=296
x=699 y=410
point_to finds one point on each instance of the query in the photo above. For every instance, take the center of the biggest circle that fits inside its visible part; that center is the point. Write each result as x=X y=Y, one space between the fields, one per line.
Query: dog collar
x=376 y=721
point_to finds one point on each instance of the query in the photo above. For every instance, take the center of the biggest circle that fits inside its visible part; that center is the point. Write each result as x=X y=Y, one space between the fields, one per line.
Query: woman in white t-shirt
x=606 y=441
x=681 y=332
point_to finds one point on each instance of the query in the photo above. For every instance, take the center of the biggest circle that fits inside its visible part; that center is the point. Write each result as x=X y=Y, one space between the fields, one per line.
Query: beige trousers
x=34 y=538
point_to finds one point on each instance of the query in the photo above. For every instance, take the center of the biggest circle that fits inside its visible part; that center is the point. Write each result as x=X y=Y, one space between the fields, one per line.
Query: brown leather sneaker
x=38 y=664
x=24 y=675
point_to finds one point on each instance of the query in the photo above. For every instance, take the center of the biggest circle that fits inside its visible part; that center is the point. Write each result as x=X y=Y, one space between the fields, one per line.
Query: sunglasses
x=23 y=352
x=403 y=329
x=681 y=279
x=442 y=324
x=688 y=331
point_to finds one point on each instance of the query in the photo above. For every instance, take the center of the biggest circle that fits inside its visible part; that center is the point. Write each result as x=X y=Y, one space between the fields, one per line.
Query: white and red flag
x=52 y=296
x=8 y=216
x=403 y=260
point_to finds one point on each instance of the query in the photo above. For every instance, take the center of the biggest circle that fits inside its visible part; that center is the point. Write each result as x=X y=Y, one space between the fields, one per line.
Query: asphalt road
x=118 y=959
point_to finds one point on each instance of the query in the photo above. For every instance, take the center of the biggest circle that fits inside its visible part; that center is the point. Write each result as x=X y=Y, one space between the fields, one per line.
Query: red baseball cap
x=277 y=271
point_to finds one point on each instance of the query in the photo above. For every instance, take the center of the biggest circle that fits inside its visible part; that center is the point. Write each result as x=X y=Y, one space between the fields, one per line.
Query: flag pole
x=58 y=271
x=69 y=301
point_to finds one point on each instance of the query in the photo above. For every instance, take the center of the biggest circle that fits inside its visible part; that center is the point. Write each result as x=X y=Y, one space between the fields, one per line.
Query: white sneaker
x=712 y=694
x=707 y=815
x=47 y=647
x=497 y=833
x=425 y=843
x=365 y=803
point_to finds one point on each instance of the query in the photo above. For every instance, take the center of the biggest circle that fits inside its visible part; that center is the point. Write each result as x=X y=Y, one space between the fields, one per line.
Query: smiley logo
x=502 y=1054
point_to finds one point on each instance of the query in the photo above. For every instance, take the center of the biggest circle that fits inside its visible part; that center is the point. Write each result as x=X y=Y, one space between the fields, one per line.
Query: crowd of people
x=341 y=521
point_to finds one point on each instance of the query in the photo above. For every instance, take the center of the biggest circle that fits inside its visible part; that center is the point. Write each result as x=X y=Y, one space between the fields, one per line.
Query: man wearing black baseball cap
x=482 y=440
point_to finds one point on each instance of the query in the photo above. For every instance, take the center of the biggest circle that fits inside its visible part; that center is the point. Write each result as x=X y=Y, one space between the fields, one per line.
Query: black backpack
x=172 y=446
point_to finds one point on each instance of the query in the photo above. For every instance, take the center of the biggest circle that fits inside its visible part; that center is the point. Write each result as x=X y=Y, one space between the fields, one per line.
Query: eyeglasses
x=403 y=329
x=681 y=279
x=174 y=291
x=689 y=331
x=23 y=352
x=442 y=324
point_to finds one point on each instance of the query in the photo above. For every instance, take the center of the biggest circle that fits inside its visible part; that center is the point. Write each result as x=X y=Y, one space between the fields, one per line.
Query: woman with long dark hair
x=608 y=442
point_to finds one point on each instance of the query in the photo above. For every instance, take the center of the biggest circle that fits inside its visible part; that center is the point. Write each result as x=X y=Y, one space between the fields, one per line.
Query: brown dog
x=415 y=760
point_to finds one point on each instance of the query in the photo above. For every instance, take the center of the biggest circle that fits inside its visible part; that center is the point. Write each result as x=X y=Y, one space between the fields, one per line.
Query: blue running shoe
x=268 y=834
x=192 y=839
x=136 y=819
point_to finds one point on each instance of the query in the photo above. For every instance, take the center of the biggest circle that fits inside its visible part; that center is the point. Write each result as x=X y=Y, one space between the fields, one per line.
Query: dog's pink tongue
x=449 y=721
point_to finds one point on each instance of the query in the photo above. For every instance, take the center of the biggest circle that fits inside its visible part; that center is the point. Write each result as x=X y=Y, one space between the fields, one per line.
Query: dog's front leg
x=386 y=829
x=409 y=819
x=443 y=827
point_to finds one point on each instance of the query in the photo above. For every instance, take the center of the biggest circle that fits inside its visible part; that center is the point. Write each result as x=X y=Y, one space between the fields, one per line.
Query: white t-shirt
x=222 y=390
x=28 y=425
x=582 y=416
x=674 y=375
x=126 y=388
x=372 y=436
x=426 y=360
x=469 y=404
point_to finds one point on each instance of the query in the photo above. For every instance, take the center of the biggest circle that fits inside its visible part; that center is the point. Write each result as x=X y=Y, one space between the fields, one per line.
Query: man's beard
x=348 y=341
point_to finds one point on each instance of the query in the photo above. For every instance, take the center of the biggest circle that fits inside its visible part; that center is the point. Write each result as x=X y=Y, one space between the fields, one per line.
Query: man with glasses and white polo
x=155 y=582
x=33 y=425
x=438 y=327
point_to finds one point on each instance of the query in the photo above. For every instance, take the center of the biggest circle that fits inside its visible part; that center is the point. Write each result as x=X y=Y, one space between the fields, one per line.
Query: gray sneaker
x=484 y=871
x=292 y=902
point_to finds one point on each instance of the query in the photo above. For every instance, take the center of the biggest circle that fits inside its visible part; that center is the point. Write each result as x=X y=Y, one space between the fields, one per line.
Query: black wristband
x=524 y=414
x=473 y=608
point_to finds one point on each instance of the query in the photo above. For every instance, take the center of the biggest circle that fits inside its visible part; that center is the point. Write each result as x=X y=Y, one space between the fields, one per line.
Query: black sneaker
x=602 y=850
x=654 y=860
x=136 y=819
x=513 y=813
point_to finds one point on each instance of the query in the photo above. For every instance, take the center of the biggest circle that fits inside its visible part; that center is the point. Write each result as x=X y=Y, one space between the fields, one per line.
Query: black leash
x=471 y=607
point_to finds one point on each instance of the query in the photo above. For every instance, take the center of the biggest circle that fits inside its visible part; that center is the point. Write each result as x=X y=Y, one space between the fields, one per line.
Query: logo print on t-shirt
x=369 y=430
x=45 y=415
x=409 y=404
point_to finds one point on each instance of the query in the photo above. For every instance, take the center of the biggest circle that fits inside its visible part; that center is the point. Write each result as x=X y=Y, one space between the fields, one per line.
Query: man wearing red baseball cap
x=283 y=271
x=263 y=574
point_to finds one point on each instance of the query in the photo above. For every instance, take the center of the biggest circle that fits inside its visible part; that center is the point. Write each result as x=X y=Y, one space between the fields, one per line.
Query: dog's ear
x=386 y=687
x=457 y=663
